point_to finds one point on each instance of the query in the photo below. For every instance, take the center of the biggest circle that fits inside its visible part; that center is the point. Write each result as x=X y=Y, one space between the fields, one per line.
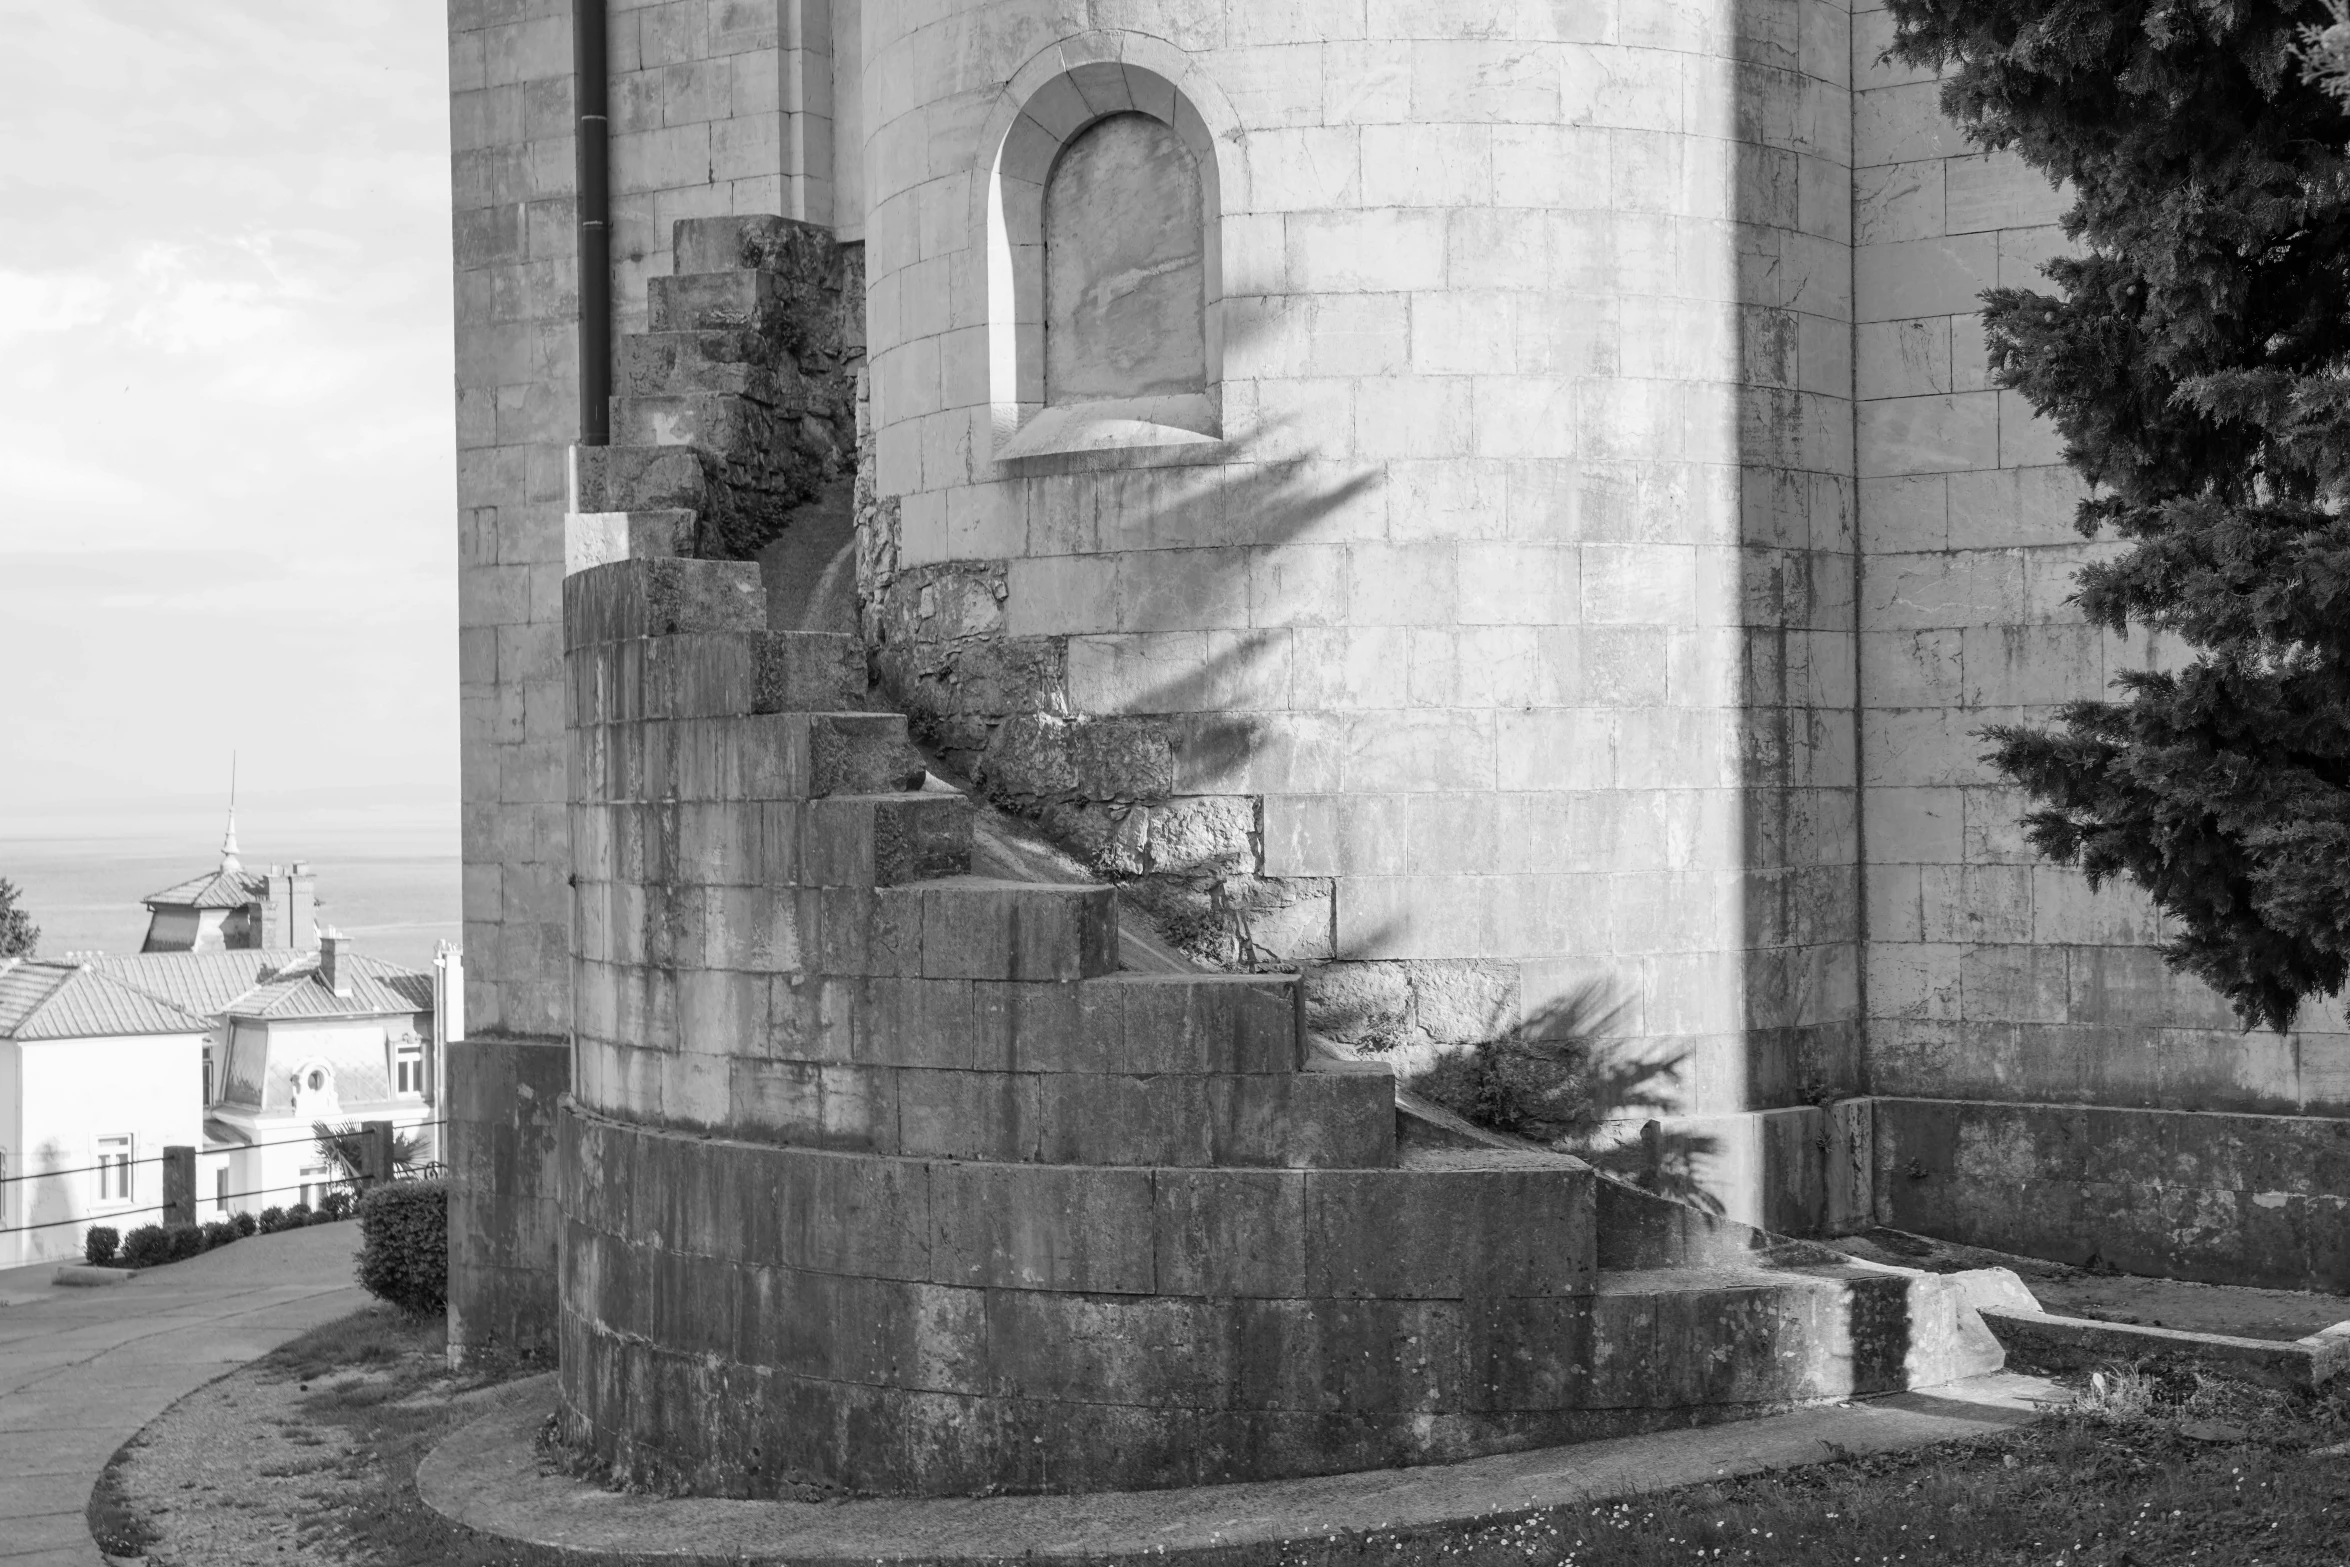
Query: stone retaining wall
x=504 y=1226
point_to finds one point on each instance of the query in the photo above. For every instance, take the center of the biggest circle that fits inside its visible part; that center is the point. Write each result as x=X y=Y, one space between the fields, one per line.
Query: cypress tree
x=2194 y=358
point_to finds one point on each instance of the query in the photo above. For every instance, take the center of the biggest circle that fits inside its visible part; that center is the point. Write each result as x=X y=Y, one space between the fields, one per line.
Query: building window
x=220 y=1189
x=408 y=1068
x=314 y=1184
x=114 y=1169
x=208 y=1095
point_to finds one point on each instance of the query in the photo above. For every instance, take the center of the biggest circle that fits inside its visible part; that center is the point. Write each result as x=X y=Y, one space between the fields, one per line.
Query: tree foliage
x=2193 y=356
x=18 y=934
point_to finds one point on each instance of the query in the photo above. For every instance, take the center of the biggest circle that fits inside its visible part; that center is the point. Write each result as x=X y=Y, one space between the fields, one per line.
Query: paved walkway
x=488 y=1477
x=81 y=1370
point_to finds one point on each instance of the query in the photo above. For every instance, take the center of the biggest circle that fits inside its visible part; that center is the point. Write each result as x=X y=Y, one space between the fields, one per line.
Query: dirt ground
x=305 y=1458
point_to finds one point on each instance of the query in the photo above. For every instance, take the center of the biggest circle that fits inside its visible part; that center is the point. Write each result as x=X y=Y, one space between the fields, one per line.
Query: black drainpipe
x=590 y=86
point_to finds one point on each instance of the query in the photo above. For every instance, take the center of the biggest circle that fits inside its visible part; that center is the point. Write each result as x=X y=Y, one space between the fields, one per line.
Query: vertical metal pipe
x=590 y=87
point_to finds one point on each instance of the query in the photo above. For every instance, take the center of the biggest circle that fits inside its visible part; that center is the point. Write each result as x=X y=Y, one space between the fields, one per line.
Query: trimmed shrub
x=273 y=1219
x=187 y=1240
x=296 y=1216
x=325 y=1216
x=148 y=1246
x=245 y=1223
x=336 y=1204
x=100 y=1245
x=404 y=1244
x=219 y=1233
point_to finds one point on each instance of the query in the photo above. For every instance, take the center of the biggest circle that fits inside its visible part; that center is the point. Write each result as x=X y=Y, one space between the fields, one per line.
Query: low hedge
x=404 y=1244
x=153 y=1245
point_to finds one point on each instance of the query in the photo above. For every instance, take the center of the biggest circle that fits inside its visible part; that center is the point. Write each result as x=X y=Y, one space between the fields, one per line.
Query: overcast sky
x=226 y=456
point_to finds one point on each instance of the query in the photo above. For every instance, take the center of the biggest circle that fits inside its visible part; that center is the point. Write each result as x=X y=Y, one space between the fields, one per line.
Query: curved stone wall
x=1494 y=637
x=883 y=1177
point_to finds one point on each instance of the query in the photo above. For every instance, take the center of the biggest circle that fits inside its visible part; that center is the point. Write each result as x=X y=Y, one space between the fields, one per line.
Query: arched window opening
x=1105 y=285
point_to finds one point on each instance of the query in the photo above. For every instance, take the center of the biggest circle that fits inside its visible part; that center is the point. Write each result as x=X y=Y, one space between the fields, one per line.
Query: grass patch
x=2145 y=1472
x=376 y=1338
x=118 y=1529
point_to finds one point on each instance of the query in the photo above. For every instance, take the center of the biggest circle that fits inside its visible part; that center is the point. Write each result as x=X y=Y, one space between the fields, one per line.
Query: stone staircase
x=882 y=1176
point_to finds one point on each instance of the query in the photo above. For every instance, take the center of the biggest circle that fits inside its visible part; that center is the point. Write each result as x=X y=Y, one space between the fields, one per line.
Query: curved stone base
x=488 y=1477
x=755 y=1320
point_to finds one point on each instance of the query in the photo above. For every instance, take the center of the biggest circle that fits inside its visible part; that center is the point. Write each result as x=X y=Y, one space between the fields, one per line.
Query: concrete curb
x=82 y=1276
x=2059 y=1343
x=487 y=1478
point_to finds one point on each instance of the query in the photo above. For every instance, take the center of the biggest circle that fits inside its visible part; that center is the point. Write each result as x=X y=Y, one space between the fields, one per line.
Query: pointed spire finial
x=228 y=842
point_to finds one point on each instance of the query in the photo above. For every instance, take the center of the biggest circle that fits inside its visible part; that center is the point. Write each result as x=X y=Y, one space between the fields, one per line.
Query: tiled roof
x=209 y=983
x=376 y=986
x=24 y=985
x=221 y=889
x=67 y=1001
x=270 y=984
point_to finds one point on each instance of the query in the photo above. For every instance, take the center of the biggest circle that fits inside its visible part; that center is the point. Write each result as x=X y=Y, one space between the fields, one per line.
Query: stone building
x=1498 y=507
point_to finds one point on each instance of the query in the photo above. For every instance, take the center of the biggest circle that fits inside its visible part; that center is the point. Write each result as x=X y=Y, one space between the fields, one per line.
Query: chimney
x=301 y=907
x=334 y=963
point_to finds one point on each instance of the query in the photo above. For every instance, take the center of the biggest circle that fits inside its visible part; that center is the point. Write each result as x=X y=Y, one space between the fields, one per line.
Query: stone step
x=715 y=421
x=1197 y=1023
x=661 y=597
x=861 y=753
x=735 y=360
x=1348 y=1237
x=599 y=538
x=1122 y=1023
x=716 y=301
x=884 y=840
x=725 y=760
x=748 y=241
x=810 y=672
x=1676 y=1337
x=1298 y=1120
x=637 y=478
x=965 y=927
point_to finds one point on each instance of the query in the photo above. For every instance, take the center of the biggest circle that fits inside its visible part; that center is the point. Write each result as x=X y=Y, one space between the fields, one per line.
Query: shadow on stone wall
x=1160 y=792
x=1568 y=1075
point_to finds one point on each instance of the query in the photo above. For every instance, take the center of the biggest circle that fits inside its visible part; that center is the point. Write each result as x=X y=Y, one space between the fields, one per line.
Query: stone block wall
x=504 y=1224
x=1501 y=645
x=702 y=99
x=513 y=176
x=1991 y=973
x=2227 y=1199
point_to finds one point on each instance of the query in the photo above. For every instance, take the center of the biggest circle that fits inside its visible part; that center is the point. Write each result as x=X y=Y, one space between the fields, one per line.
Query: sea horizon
x=387 y=860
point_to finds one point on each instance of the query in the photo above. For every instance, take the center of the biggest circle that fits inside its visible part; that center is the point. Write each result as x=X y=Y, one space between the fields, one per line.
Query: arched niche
x=1105 y=277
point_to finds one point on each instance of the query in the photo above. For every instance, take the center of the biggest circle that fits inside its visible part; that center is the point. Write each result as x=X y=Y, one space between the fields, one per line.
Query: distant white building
x=215 y=1044
x=97 y=1078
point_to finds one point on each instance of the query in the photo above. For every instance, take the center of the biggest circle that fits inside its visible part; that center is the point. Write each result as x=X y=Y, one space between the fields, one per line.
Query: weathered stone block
x=1199 y=1022
x=713 y=301
x=885 y=840
x=1230 y=1232
x=660 y=598
x=1047 y=1227
x=973 y=928
x=1443 y=1233
x=1041 y=1026
x=809 y=672
x=861 y=753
